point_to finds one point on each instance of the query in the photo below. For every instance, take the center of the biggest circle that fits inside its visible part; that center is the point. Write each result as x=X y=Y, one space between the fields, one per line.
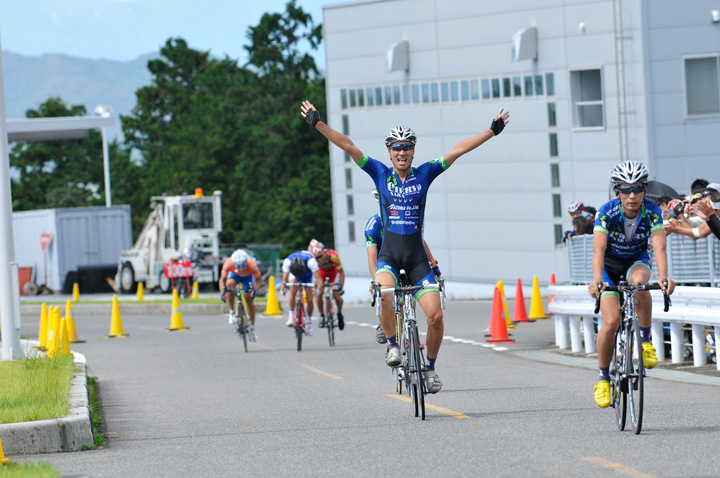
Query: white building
x=595 y=82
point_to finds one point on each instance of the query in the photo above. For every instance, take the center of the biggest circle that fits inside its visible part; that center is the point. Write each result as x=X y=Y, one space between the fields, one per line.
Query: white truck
x=178 y=227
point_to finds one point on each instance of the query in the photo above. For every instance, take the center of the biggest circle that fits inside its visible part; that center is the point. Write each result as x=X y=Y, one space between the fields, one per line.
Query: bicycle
x=627 y=369
x=242 y=326
x=300 y=314
x=412 y=367
x=329 y=311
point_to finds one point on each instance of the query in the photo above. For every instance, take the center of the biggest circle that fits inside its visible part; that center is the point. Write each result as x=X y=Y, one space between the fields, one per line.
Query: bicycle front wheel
x=618 y=396
x=416 y=367
x=635 y=374
x=330 y=322
x=241 y=324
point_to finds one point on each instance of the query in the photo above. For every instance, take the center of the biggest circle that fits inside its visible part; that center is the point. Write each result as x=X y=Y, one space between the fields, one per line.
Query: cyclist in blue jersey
x=373 y=243
x=300 y=267
x=403 y=192
x=622 y=230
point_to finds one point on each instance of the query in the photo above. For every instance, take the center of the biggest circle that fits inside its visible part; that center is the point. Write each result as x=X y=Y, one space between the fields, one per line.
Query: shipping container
x=84 y=245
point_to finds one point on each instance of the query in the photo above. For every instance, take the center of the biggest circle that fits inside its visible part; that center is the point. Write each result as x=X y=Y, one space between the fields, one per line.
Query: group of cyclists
x=623 y=228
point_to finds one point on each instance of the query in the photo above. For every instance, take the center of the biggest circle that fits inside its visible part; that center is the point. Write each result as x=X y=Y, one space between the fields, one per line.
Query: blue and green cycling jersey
x=628 y=238
x=373 y=232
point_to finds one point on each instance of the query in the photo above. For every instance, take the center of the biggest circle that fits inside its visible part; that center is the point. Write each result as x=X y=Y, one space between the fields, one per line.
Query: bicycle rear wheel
x=619 y=398
x=635 y=373
x=418 y=394
x=299 y=321
x=330 y=322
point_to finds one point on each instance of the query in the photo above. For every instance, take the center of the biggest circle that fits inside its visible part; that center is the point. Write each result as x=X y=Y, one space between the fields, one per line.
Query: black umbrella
x=656 y=189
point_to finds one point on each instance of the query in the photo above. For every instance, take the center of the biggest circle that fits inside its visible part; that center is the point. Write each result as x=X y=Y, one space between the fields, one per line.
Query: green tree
x=51 y=174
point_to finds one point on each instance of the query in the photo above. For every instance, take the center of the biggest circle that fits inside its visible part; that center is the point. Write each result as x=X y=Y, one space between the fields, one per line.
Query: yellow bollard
x=64 y=340
x=176 y=322
x=508 y=322
x=54 y=334
x=116 y=328
x=76 y=292
x=195 y=291
x=43 y=332
x=536 y=306
x=140 y=292
x=272 y=308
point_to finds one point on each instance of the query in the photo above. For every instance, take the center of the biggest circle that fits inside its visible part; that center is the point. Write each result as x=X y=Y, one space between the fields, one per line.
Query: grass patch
x=40 y=469
x=35 y=388
x=95 y=417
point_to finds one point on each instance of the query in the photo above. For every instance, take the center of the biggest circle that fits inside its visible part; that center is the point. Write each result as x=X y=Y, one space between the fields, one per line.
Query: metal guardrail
x=689 y=262
x=697 y=306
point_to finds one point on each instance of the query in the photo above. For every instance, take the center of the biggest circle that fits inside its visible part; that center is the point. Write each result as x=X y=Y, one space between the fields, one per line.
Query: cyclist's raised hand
x=310 y=113
x=498 y=124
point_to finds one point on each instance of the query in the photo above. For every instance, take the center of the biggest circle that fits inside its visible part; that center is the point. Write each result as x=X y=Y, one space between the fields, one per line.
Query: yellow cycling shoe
x=602 y=394
x=649 y=356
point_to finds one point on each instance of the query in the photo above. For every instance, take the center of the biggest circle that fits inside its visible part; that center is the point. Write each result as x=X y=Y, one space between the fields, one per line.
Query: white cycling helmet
x=575 y=207
x=400 y=133
x=629 y=172
x=239 y=258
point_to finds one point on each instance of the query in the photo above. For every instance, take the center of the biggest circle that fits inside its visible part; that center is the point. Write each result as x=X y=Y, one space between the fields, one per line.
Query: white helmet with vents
x=629 y=172
x=400 y=133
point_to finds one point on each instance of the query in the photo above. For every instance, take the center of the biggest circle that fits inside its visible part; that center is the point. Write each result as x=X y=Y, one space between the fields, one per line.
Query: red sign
x=45 y=239
x=174 y=270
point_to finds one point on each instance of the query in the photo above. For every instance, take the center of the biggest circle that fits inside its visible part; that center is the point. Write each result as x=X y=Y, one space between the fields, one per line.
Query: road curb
x=69 y=433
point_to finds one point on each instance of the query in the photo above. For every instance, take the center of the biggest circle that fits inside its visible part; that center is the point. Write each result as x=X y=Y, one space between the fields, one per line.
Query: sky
x=125 y=29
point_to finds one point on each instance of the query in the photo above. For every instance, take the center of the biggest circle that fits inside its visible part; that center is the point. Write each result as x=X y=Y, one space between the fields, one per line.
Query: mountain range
x=31 y=80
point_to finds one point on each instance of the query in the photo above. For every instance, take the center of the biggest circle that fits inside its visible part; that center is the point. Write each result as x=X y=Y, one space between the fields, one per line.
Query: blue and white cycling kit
x=311 y=266
x=402 y=211
x=627 y=240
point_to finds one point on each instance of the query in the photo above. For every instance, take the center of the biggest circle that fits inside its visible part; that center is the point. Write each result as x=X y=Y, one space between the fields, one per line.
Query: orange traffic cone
x=498 y=329
x=536 y=306
x=176 y=321
x=520 y=313
x=116 y=327
x=506 y=314
x=552 y=281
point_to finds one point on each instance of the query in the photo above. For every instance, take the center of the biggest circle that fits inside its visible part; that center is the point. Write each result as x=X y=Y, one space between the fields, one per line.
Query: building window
x=485 y=89
x=528 y=86
x=517 y=86
x=557 y=207
x=426 y=93
x=555 y=175
x=348 y=178
x=465 y=90
x=343 y=98
x=550 y=84
x=370 y=99
x=351 y=232
x=378 y=96
x=702 y=86
x=346 y=124
x=406 y=94
x=538 y=84
x=361 y=97
x=587 y=98
x=552 y=119
x=474 y=89
x=353 y=101
x=388 y=95
x=454 y=92
x=435 y=92
x=506 y=88
x=495 y=87
x=558 y=234
x=553 y=145
x=350 y=205
x=396 y=95
x=416 y=93
x=445 y=89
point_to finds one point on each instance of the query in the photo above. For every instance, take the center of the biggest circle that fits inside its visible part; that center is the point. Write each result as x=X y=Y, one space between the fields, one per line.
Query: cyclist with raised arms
x=301 y=267
x=240 y=269
x=403 y=193
x=622 y=230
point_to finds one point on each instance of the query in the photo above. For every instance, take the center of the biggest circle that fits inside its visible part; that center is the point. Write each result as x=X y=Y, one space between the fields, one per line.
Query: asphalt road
x=194 y=404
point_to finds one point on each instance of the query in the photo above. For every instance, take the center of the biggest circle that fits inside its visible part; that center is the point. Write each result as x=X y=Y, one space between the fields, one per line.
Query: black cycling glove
x=497 y=126
x=312 y=117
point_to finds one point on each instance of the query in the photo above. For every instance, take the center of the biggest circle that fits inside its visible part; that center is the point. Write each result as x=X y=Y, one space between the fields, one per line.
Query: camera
x=699 y=196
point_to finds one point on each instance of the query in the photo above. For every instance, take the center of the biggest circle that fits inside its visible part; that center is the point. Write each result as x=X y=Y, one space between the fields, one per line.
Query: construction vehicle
x=178 y=228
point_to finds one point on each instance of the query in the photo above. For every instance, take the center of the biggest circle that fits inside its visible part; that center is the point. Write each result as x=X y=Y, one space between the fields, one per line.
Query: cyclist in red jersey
x=330 y=268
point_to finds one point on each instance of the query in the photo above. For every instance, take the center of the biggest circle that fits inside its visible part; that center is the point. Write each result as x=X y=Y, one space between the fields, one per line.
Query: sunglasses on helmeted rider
x=637 y=189
x=402 y=147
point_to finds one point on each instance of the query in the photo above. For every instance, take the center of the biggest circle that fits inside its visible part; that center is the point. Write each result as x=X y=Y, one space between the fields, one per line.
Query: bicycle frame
x=329 y=311
x=242 y=326
x=300 y=313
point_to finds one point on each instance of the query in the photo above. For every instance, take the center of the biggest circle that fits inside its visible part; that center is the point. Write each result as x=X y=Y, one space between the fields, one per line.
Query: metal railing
x=689 y=262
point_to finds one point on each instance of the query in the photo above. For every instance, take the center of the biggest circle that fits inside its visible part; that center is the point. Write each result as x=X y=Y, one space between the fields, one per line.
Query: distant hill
x=31 y=80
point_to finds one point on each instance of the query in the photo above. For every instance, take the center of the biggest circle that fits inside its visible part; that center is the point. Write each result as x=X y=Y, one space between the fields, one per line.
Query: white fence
x=697 y=306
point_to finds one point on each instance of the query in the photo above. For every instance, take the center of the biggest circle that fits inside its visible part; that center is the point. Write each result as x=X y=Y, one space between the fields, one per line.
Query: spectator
x=698 y=186
x=583 y=224
x=575 y=210
x=589 y=210
x=708 y=209
x=696 y=230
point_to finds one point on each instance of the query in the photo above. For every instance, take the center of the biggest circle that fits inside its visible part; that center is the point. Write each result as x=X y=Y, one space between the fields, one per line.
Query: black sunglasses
x=402 y=147
x=637 y=189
